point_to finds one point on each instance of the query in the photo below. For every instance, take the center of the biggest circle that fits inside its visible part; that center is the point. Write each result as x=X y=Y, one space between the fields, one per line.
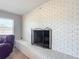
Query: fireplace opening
x=42 y=38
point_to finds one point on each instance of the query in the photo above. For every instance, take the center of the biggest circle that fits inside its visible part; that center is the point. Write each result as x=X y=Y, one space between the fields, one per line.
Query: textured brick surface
x=62 y=16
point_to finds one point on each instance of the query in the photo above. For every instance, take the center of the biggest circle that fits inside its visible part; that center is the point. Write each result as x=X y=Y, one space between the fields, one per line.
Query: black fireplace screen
x=41 y=38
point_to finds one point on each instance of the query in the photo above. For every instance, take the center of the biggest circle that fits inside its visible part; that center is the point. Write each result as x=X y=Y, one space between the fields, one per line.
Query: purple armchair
x=6 y=45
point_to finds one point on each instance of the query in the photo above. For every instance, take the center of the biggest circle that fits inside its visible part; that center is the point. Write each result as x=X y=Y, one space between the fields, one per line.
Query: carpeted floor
x=16 y=54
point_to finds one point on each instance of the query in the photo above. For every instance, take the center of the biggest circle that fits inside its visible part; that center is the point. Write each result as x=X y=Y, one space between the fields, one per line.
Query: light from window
x=6 y=26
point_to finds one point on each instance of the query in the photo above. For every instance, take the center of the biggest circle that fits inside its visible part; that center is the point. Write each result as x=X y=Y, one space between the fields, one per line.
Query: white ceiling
x=20 y=6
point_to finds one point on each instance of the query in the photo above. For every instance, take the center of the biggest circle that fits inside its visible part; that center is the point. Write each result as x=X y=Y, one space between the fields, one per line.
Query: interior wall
x=17 y=22
x=62 y=16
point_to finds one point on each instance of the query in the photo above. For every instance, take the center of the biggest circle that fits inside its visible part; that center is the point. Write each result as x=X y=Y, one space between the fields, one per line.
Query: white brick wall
x=62 y=16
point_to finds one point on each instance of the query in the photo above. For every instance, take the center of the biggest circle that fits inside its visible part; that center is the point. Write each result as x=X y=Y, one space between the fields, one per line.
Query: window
x=6 y=26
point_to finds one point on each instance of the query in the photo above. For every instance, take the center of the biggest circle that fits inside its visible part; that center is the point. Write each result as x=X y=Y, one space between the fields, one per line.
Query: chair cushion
x=10 y=39
x=2 y=39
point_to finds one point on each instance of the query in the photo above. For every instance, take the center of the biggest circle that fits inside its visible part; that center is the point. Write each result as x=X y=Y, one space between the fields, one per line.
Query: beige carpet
x=16 y=54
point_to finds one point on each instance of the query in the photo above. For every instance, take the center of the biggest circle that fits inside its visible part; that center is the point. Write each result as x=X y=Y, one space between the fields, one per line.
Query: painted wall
x=17 y=22
x=62 y=16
